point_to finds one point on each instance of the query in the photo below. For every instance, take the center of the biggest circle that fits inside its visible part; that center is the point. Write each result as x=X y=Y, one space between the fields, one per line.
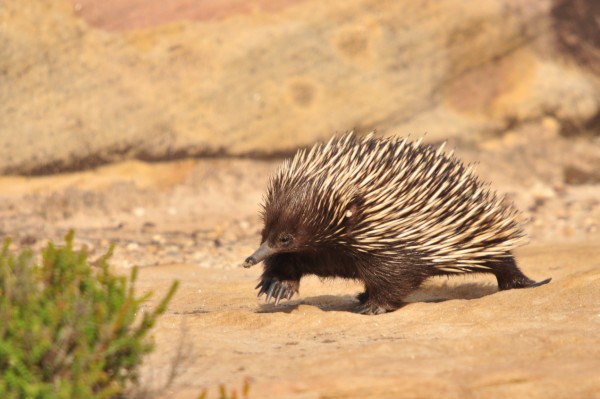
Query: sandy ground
x=196 y=220
x=540 y=343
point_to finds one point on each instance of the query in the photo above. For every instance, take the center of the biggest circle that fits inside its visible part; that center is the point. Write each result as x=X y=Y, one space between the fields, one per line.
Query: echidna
x=388 y=212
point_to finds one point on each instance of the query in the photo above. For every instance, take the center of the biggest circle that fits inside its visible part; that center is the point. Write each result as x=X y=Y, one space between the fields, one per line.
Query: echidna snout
x=387 y=212
x=259 y=255
x=272 y=244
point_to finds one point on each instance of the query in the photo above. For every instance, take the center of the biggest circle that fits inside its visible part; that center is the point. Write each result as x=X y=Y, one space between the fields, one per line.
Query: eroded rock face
x=85 y=83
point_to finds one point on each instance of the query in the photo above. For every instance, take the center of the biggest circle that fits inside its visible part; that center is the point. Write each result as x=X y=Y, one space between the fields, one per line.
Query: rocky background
x=155 y=125
x=86 y=82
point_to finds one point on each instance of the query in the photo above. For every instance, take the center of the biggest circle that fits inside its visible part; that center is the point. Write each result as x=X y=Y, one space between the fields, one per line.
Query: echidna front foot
x=277 y=289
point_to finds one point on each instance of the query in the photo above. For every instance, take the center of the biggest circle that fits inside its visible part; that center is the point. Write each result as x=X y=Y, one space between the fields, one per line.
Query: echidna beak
x=262 y=253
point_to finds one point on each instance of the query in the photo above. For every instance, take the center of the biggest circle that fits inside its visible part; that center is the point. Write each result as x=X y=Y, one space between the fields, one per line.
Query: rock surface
x=476 y=343
x=87 y=82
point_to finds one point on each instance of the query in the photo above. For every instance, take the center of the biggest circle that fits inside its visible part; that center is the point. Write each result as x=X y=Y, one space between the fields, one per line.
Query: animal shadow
x=427 y=294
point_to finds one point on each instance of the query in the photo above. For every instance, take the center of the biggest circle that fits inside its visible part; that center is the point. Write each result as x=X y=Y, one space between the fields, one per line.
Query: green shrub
x=67 y=329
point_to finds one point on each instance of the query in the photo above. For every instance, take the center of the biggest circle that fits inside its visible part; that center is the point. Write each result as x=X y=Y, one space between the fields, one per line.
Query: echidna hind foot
x=371 y=309
x=367 y=307
x=382 y=302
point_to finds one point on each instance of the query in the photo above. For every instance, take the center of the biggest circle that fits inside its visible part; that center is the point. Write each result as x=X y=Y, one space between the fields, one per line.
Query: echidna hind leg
x=509 y=275
x=382 y=296
x=373 y=307
x=370 y=309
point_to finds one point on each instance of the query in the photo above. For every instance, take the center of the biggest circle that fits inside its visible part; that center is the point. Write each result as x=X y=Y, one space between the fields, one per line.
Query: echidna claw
x=261 y=291
x=546 y=281
x=276 y=289
x=368 y=309
x=280 y=292
x=274 y=285
x=264 y=286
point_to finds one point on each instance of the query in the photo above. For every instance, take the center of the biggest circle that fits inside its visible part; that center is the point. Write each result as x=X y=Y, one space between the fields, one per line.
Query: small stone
x=204 y=265
x=139 y=212
x=512 y=138
x=133 y=246
x=28 y=240
x=244 y=225
x=575 y=175
x=148 y=225
x=568 y=230
x=158 y=239
x=542 y=192
x=551 y=125
x=172 y=250
x=560 y=189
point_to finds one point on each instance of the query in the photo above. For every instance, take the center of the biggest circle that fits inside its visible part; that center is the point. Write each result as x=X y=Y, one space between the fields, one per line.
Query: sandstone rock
x=81 y=87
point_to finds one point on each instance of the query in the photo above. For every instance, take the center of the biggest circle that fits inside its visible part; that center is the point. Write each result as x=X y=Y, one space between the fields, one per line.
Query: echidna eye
x=285 y=239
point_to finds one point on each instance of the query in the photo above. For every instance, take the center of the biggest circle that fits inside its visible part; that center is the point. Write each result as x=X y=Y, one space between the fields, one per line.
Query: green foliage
x=67 y=329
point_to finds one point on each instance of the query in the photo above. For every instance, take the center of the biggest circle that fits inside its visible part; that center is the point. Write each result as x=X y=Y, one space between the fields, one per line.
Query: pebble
x=541 y=191
x=244 y=225
x=172 y=250
x=568 y=230
x=158 y=239
x=133 y=246
x=551 y=125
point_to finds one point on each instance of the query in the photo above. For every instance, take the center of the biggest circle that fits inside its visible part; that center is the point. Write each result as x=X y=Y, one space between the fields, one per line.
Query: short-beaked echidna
x=388 y=212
